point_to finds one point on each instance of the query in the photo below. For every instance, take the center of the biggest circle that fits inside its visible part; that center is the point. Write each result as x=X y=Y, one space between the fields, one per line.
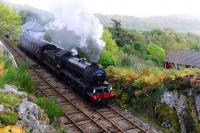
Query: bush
x=107 y=59
x=138 y=84
x=128 y=49
x=51 y=108
x=125 y=60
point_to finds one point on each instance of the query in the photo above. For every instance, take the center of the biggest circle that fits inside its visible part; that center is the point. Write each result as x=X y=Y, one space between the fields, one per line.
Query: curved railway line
x=79 y=116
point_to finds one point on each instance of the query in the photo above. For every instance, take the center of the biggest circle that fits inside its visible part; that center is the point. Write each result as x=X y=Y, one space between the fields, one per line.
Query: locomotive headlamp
x=94 y=91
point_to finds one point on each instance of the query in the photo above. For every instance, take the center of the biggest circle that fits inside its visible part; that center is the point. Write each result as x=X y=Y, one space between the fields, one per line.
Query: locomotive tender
x=88 y=79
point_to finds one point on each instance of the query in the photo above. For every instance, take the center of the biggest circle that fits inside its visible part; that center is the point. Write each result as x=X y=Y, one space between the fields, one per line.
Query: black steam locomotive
x=87 y=78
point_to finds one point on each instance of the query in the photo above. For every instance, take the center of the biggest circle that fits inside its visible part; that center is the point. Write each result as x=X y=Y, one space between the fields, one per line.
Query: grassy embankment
x=22 y=80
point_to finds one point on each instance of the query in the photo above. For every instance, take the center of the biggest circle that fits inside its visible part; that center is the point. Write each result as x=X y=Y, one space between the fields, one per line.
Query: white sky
x=140 y=8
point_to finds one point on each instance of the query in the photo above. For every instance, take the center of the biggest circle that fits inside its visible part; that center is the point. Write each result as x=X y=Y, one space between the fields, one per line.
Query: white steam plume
x=73 y=16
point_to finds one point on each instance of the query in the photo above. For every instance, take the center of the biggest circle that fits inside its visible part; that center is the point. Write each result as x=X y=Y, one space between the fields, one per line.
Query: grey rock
x=197 y=104
x=28 y=113
x=174 y=100
x=7 y=110
x=14 y=90
x=177 y=101
x=2 y=108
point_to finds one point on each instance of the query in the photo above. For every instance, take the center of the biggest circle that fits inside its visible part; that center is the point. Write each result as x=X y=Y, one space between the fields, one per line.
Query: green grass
x=17 y=76
x=22 y=79
x=9 y=101
x=50 y=107
x=8 y=118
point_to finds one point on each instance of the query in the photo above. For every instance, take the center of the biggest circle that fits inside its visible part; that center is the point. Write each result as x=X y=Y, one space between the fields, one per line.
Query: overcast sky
x=140 y=8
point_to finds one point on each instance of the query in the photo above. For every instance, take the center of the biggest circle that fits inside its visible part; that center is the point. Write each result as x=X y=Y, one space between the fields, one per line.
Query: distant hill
x=40 y=12
x=179 y=23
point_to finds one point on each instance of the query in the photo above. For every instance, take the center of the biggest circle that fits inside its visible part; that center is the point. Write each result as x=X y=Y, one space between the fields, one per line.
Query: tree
x=109 y=55
x=155 y=53
x=120 y=35
x=110 y=43
x=10 y=23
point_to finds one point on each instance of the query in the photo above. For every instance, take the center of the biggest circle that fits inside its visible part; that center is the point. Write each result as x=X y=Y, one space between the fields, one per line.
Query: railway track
x=79 y=116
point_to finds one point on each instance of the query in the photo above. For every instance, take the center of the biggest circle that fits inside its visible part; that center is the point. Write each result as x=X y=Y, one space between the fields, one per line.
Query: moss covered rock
x=167 y=117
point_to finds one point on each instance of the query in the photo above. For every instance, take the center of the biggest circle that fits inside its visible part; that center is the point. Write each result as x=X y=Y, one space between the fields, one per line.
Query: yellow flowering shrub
x=150 y=76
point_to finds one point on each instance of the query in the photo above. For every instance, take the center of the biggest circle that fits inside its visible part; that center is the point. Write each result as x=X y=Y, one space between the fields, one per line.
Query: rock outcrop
x=174 y=100
x=29 y=116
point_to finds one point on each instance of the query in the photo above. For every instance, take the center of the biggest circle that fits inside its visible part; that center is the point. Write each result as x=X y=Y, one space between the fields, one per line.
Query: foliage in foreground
x=17 y=76
x=9 y=101
x=8 y=118
x=52 y=109
x=10 y=23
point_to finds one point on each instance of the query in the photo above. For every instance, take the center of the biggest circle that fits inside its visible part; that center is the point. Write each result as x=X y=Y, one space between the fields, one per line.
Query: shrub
x=51 y=108
x=107 y=59
x=138 y=84
x=128 y=49
x=124 y=60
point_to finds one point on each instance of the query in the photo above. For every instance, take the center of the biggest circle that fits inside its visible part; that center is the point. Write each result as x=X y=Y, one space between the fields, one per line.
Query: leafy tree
x=109 y=55
x=10 y=23
x=155 y=53
x=107 y=59
x=110 y=43
x=120 y=35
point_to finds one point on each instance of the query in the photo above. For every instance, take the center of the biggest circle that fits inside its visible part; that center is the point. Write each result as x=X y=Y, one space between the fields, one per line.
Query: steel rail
x=136 y=125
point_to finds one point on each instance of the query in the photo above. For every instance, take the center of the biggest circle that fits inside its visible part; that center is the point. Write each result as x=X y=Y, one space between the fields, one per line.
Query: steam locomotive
x=87 y=78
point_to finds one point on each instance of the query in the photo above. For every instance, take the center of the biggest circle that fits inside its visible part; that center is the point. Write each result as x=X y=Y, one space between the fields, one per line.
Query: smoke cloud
x=72 y=16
